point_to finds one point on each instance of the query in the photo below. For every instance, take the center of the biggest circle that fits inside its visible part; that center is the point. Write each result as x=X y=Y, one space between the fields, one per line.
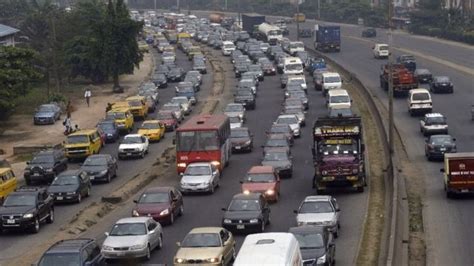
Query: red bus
x=203 y=138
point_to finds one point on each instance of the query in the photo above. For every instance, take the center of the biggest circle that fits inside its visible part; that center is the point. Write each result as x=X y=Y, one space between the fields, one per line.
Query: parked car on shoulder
x=47 y=114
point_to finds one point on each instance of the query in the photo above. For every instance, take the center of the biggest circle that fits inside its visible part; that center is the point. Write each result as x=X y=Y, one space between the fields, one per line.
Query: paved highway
x=205 y=210
x=14 y=244
x=447 y=223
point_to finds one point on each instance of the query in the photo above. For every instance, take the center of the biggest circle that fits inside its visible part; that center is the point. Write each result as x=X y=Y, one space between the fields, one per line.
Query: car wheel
x=79 y=198
x=171 y=218
x=36 y=226
x=28 y=182
x=233 y=254
x=262 y=229
x=108 y=179
x=148 y=253
x=336 y=234
x=142 y=155
x=212 y=189
x=88 y=191
x=50 y=219
x=181 y=210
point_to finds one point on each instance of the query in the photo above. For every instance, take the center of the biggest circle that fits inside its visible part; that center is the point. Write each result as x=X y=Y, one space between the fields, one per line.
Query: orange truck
x=216 y=17
x=458 y=173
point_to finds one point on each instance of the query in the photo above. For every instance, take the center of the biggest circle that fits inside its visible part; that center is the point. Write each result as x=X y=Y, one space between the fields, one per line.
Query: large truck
x=338 y=153
x=458 y=173
x=270 y=33
x=216 y=17
x=250 y=21
x=403 y=79
x=327 y=38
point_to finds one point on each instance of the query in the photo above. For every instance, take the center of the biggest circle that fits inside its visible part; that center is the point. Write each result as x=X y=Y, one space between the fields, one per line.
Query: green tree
x=17 y=71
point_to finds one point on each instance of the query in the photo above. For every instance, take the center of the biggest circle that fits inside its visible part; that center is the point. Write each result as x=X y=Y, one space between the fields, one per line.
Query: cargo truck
x=250 y=22
x=458 y=173
x=270 y=33
x=216 y=17
x=403 y=79
x=338 y=153
x=327 y=38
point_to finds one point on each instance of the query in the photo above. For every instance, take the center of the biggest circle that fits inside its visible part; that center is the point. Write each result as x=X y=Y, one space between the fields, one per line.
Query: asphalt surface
x=447 y=222
x=13 y=244
x=205 y=209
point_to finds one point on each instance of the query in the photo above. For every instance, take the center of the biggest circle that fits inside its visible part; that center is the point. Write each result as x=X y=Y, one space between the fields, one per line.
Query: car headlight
x=103 y=172
x=253 y=221
x=49 y=170
x=324 y=172
x=71 y=193
x=270 y=192
x=135 y=213
x=322 y=259
x=216 y=163
x=246 y=191
x=138 y=247
x=227 y=221
x=181 y=165
x=247 y=142
x=179 y=260
x=28 y=216
x=213 y=260
x=165 y=212
x=241 y=116
x=107 y=248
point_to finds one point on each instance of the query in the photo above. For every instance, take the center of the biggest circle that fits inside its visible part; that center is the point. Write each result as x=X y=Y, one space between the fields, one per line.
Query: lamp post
x=297 y=20
x=390 y=84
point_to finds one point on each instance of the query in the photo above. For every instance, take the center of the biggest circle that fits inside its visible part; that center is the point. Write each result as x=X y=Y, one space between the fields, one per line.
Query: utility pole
x=319 y=9
x=154 y=5
x=297 y=20
x=390 y=83
x=177 y=5
x=225 y=4
x=238 y=13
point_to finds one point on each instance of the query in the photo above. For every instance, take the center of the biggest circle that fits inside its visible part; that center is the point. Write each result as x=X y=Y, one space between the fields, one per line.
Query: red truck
x=403 y=79
x=458 y=173
x=338 y=153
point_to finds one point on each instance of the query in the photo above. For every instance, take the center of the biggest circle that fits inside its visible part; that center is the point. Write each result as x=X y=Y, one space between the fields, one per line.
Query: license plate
x=240 y=226
x=92 y=177
x=464 y=190
x=237 y=147
x=35 y=174
x=129 y=153
x=11 y=221
x=442 y=149
x=59 y=198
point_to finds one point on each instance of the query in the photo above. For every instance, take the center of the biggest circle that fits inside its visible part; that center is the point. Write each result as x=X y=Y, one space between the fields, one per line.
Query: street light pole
x=390 y=83
x=155 y=4
x=297 y=20
x=319 y=9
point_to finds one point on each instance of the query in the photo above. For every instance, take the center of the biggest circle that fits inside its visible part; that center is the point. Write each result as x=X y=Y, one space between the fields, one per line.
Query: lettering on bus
x=463 y=173
x=336 y=130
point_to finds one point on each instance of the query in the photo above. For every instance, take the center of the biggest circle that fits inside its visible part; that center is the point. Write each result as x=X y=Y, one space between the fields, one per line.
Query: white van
x=269 y=249
x=419 y=101
x=227 y=47
x=331 y=81
x=338 y=98
x=295 y=47
x=293 y=66
x=380 y=50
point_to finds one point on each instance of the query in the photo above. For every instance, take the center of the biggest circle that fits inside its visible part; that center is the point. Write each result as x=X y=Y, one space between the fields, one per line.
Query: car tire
x=160 y=242
x=360 y=189
x=142 y=155
x=262 y=228
x=181 y=210
x=36 y=226
x=171 y=218
x=234 y=255
x=50 y=219
x=88 y=191
x=28 y=181
x=108 y=179
x=148 y=254
x=212 y=189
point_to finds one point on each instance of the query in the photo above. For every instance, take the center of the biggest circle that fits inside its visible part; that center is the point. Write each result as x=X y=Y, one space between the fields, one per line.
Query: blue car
x=47 y=114
x=187 y=89
x=315 y=64
x=110 y=129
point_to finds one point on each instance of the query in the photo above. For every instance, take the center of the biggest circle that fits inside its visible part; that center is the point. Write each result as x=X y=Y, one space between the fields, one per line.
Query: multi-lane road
x=449 y=234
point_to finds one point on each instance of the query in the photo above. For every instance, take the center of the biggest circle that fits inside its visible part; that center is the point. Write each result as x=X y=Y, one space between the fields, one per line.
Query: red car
x=262 y=179
x=168 y=119
x=164 y=204
x=103 y=136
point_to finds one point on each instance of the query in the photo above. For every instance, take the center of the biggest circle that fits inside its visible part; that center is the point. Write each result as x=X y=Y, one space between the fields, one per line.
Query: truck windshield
x=197 y=141
x=294 y=67
x=296 y=45
x=338 y=147
x=340 y=99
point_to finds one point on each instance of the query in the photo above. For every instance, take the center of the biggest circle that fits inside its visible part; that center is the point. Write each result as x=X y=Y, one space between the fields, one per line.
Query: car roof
x=132 y=135
x=199 y=230
x=151 y=122
x=259 y=169
x=434 y=115
x=307 y=229
x=158 y=189
x=70 y=172
x=419 y=90
x=69 y=245
x=317 y=198
x=337 y=92
x=133 y=220
x=287 y=116
x=247 y=196
x=331 y=74
x=83 y=131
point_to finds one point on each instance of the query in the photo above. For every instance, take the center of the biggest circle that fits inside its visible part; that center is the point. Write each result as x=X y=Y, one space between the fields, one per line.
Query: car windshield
x=198 y=170
x=254 y=68
x=276 y=143
x=340 y=99
x=234 y=119
x=309 y=241
x=234 y=108
x=441 y=79
x=128 y=229
x=296 y=81
x=297 y=94
x=296 y=45
x=293 y=111
x=333 y=112
x=106 y=126
x=115 y=115
x=246 y=83
x=132 y=140
x=260 y=178
x=60 y=259
x=154 y=197
x=239 y=133
x=150 y=126
x=244 y=205
x=421 y=97
x=338 y=146
x=287 y=120
x=180 y=100
x=198 y=240
x=332 y=79
x=275 y=156
x=20 y=200
x=46 y=108
x=279 y=129
x=383 y=48
x=164 y=116
x=95 y=161
x=422 y=71
x=65 y=180
x=316 y=207
x=77 y=139
x=441 y=140
x=197 y=140
x=294 y=67
x=187 y=89
x=39 y=159
x=135 y=103
x=244 y=93
x=437 y=120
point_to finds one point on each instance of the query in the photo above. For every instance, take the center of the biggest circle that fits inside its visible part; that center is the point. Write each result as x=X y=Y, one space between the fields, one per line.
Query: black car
x=81 y=251
x=316 y=245
x=162 y=69
x=176 y=74
x=241 y=139
x=437 y=145
x=441 y=84
x=306 y=33
x=44 y=166
x=246 y=98
x=100 y=167
x=246 y=212
x=160 y=80
x=282 y=129
x=71 y=186
x=47 y=114
x=26 y=208
x=110 y=129
x=299 y=95
x=369 y=33
x=240 y=68
x=280 y=159
x=423 y=75
x=256 y=70
x=276 y=141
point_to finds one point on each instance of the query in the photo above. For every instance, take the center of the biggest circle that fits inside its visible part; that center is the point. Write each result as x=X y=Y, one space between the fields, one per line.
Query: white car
x=176 y=108
x=133 y=145
x=185 y=103
x=433 y=123
x=200 y=177
x=235 y=122
x=235 y=109
x=169 y=56
x=331 y=81
x=319 y=211
x=380 y=50
x=419 y=101
x=297 y=80
x=292 y=121
x=133 y=237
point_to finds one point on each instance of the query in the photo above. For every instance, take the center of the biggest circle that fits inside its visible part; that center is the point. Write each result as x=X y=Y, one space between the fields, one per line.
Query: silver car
x=319 y=211
x=133 y=237
x=235 y=109
x=176 y=108
x=292 y=121
x=185 y=103
x=200 y=177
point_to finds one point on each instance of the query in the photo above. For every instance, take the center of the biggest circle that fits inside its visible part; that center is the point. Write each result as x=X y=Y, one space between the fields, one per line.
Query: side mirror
x=27 y=162
x=151 y=232
x=174 y=141
x=224 y=209
x=454 y=139
x=426 y=140
x=241 y=182
x=178 y=244
x=106 y=233
x=442 y=170
x=181 y=174
x=295 y=211
x=135 y=201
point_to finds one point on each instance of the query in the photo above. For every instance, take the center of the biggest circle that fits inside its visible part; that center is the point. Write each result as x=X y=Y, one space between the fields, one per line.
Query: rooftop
x=7 y=30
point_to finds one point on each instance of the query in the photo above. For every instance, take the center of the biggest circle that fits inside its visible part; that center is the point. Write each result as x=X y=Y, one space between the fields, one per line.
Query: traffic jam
x=207 y=144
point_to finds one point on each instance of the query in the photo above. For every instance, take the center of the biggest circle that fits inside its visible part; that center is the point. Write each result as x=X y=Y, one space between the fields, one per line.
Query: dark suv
x=81 y=251
x=26 y=208
x=45 y=165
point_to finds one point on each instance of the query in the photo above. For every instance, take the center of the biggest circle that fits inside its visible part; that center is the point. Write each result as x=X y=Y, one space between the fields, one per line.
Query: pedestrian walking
x=87 y=95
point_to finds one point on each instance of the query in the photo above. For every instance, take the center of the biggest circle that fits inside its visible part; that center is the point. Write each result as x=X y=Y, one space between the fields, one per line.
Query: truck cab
x=458 y=173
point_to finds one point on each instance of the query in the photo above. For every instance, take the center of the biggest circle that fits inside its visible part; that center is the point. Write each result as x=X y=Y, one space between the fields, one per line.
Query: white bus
x=293 y=66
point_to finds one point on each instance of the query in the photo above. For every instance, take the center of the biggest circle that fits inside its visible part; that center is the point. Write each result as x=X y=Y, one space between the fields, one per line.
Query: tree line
x=95 y=40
